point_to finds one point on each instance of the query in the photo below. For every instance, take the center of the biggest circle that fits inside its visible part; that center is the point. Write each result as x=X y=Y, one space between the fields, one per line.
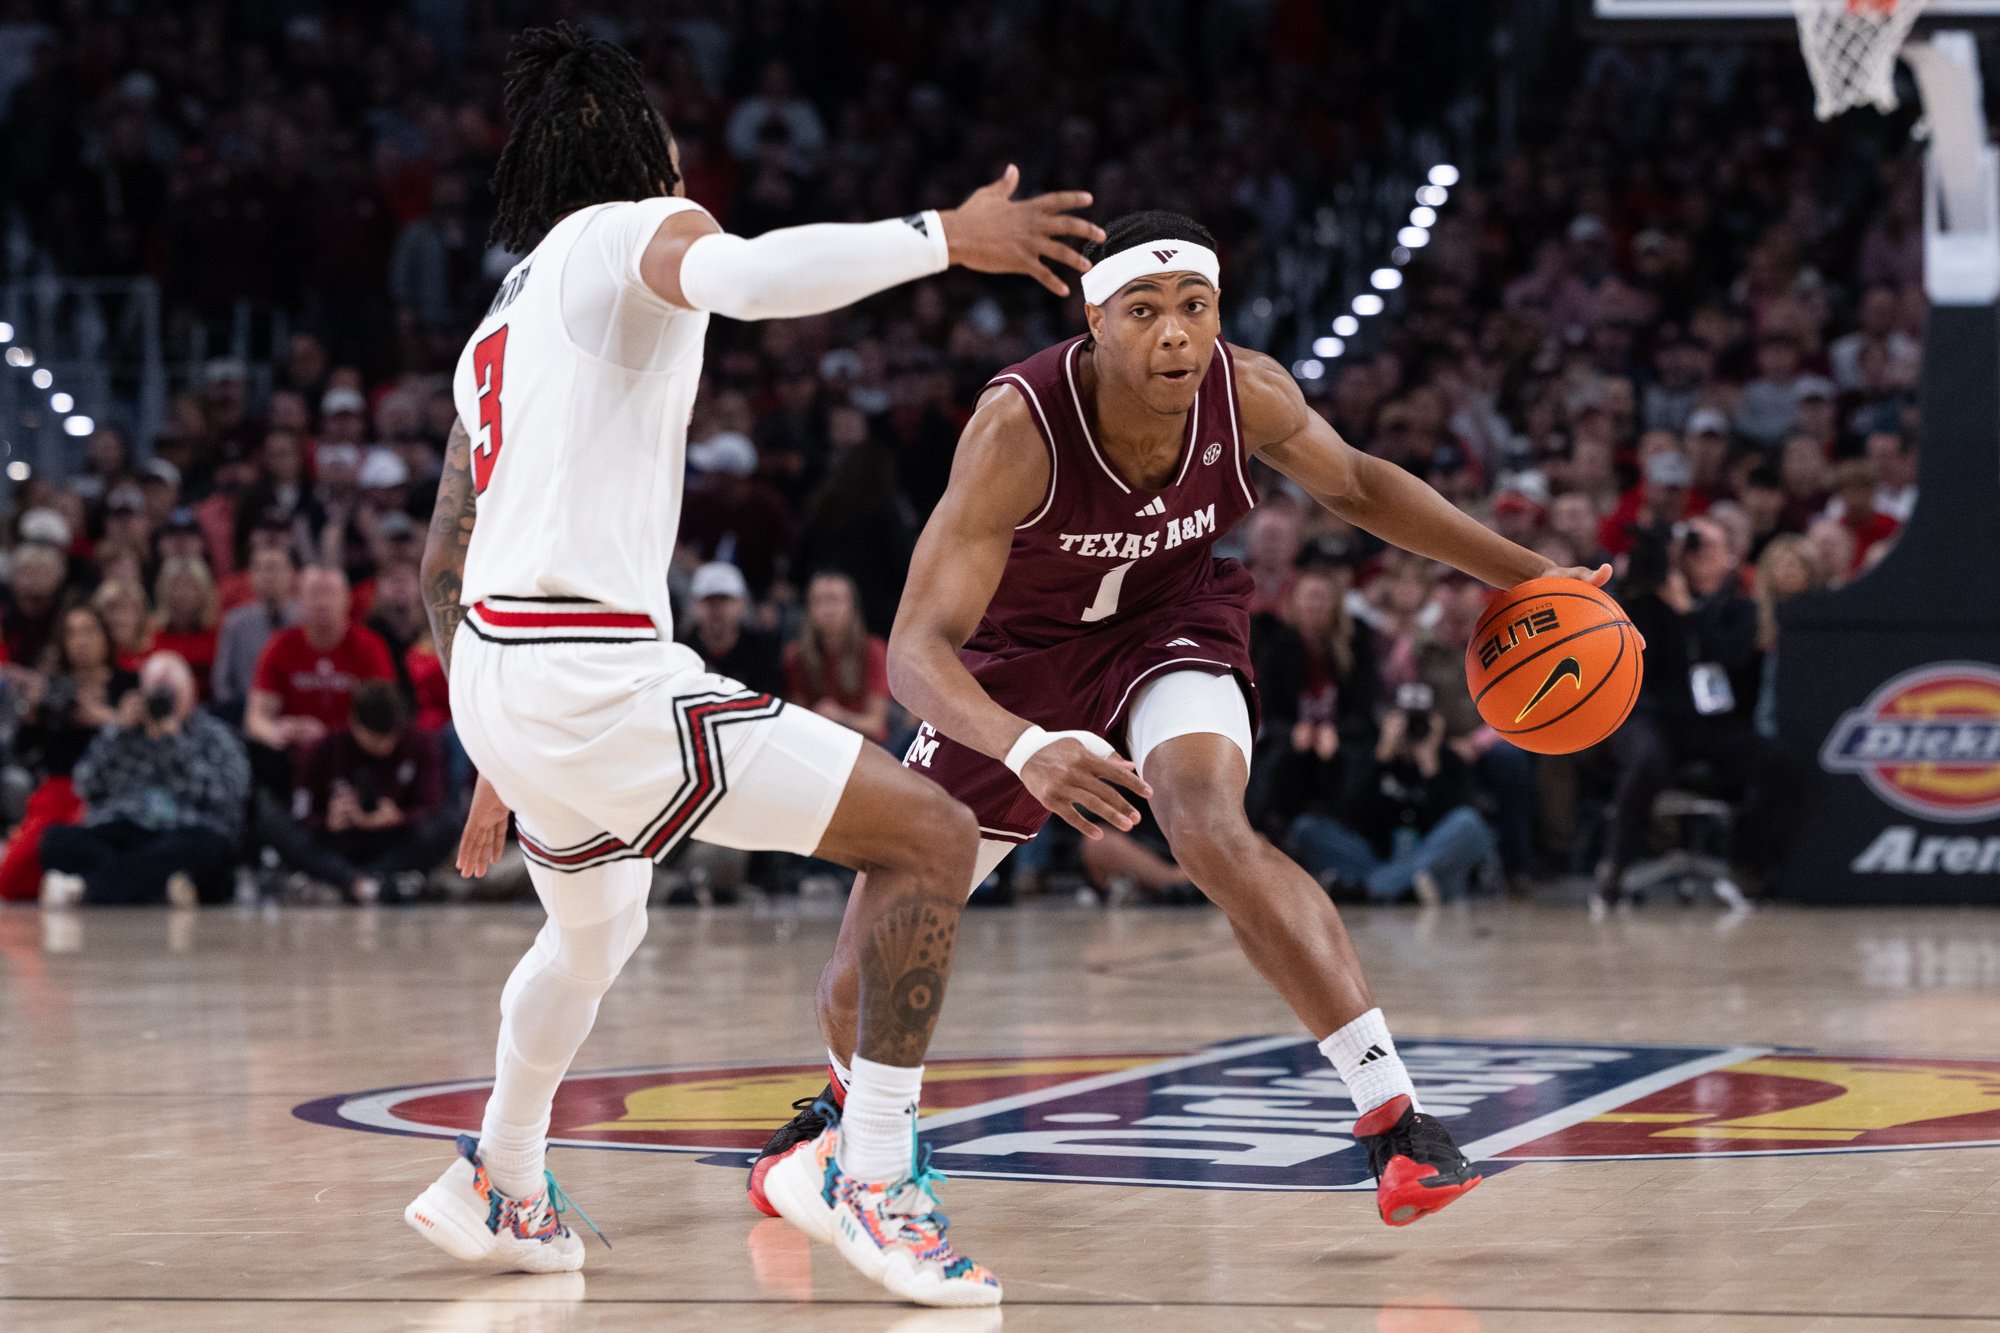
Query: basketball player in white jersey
x=546 y=576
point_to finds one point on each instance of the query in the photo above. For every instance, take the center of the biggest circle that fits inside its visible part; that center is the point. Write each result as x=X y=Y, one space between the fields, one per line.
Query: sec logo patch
x=1210 y=454
x=1269 y=1114
x=1927 y=741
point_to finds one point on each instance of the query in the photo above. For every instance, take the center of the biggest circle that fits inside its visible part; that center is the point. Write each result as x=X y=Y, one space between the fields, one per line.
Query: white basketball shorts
x=610 y=743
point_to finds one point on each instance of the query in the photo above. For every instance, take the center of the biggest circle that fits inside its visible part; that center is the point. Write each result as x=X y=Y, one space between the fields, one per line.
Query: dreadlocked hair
x=1152 y=224
x=584 y=134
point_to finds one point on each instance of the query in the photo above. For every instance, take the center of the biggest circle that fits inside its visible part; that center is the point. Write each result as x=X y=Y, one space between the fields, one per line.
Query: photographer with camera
x=369 y=813
x=1703 y=674
x=1407 y=825
x=164 y=787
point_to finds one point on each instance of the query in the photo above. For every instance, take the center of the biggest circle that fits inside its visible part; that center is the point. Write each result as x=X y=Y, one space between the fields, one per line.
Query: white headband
x=1107 y=275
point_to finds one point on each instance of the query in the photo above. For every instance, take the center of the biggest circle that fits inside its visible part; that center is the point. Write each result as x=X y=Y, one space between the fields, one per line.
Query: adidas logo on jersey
x=1158 y=506
x=1182 y=643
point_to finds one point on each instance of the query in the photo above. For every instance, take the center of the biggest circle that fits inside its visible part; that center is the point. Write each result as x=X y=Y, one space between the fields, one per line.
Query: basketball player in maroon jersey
x=1063 y=595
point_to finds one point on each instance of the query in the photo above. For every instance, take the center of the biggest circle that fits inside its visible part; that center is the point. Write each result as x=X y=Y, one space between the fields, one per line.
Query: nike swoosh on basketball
x=1567 y=668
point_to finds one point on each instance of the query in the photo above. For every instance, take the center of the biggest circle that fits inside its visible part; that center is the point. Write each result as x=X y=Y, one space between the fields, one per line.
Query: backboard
x=1738 y=20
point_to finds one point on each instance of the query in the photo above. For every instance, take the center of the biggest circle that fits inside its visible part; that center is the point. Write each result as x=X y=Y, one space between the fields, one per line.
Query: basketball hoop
x=1850 y=48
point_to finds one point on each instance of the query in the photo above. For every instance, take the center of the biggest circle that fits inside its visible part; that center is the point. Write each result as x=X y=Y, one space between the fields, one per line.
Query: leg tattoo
x=903 y=966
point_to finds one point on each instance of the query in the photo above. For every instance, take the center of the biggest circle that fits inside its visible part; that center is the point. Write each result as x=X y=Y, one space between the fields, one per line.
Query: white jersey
x=576 y=390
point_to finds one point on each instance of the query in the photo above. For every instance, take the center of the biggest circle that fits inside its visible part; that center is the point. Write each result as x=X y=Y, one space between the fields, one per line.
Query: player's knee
x=592 y=956
x=940 y=838
x=1210 y=841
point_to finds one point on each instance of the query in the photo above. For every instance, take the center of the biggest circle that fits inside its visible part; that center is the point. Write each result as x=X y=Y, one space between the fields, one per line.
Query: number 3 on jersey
x=489 y=356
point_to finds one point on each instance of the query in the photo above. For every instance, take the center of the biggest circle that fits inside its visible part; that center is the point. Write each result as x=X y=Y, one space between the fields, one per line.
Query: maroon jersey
x=1107 y=584
x=1101 y=551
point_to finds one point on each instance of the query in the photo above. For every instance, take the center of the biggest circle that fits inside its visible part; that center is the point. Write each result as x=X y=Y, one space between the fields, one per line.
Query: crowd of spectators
x=1681 y=332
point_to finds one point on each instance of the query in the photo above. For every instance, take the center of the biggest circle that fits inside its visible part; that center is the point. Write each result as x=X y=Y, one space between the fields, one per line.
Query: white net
x=1850 y=48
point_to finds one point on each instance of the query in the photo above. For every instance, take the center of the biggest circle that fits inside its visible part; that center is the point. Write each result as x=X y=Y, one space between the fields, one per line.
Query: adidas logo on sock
x=1373 y=1053
x=1158 y=506
x=1182 y=643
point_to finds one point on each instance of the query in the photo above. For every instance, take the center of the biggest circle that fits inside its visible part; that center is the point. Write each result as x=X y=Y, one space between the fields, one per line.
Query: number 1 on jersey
x=489 y=356
x=1106 y=604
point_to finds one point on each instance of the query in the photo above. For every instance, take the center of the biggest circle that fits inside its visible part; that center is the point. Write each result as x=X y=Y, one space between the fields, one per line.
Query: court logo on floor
x=1268 y=1114
x=1927 y=742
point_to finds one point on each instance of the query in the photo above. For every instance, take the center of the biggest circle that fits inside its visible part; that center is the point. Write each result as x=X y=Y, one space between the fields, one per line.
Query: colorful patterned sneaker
x=895 y=1234
x=1418 y=1169
x=802 y=1128
x=463 y=1215
x=798 y=1183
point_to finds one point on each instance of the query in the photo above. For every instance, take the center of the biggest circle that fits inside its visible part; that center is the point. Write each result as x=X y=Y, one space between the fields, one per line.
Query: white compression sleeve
x=810 y=270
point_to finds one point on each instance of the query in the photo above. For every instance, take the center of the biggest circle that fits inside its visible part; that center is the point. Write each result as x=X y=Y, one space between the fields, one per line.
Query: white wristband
x=1034 y=739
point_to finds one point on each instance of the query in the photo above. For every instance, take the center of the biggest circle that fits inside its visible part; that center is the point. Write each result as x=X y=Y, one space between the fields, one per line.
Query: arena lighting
x=1307 y=370
x=1347 y=326
x=6 y=332
x=1400 y=255
x=43 y=378
x=1328 y=347
x=1432 y=196
x=1368 y=303
x=1414 y=238
x=17 y=471
x=61 y=402
x=1421 y=216
x=1261 y=307
x=78 y=425
x=1385 y=279
x=20 y=356
x=1444 y=173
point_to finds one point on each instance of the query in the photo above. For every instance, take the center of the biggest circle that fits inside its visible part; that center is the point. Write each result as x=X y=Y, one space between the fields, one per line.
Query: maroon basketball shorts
x=1088 y=683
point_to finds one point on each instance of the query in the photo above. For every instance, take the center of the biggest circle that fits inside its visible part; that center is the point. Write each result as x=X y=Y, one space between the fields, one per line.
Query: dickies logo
x=1927 y=741
x=1210 y=454
x=1267 y=1113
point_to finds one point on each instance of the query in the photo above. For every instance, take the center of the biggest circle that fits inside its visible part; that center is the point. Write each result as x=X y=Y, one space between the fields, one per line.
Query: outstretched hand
x=1063 y=775
x=485 y=836
x=992 y=232
x=1596 y=578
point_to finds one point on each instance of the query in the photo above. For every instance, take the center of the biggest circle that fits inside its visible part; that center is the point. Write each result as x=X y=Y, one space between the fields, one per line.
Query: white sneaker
x=892 y=1233
x=463 y=1215
x=181 y=891
x=61 y=890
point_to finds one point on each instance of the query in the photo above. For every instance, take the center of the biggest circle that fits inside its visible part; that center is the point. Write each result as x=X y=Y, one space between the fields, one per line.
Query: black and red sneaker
x=1418 y=1169
x=802 y=1128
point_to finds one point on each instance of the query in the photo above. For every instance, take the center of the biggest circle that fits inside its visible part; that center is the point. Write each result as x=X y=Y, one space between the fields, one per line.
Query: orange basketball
x=1554 y=666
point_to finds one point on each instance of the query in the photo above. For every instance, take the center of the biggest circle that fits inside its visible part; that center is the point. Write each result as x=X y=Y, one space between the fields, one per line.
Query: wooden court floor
x=159 y=1174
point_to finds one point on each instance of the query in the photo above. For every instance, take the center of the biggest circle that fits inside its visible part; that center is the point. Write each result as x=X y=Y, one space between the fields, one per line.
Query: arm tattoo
x=450 y=535
x=903 y=967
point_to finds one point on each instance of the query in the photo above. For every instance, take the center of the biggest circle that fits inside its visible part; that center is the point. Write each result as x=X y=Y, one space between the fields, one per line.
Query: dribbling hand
x=1062 y=775
x=1596 y=578
x=992 y=232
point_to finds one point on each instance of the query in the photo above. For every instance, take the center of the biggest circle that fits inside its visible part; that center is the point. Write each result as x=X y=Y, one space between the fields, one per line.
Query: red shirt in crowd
x=427 y=680
x=1876 y=527
x=197 y=646
x=312 y=683
x=1613 y=532
x=874 y=681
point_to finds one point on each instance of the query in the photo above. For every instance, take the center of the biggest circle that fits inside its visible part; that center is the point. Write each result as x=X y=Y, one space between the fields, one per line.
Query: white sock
x=1365 y=1055
x=878 y=1124
x=843 y=1077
